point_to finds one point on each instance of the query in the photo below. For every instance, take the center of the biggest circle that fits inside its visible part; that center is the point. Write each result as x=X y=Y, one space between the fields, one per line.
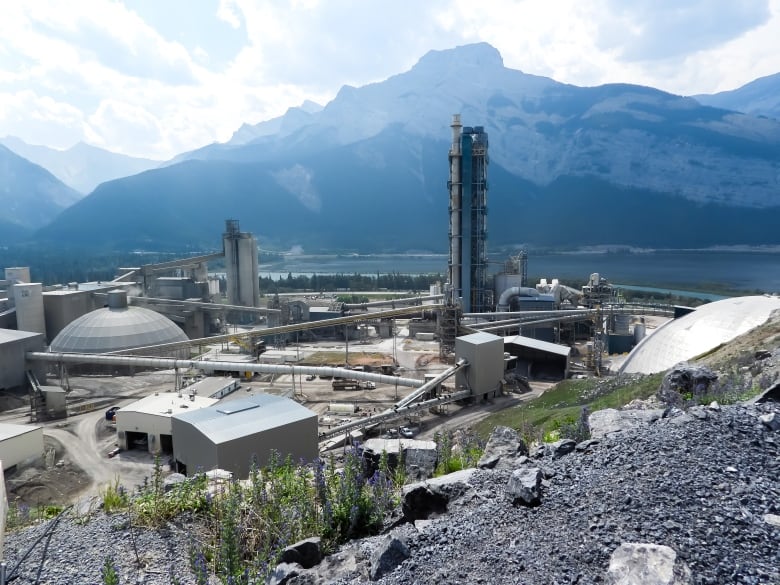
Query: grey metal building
x=233 y=434
x=13 y=367
x=485 y=354
x=537 y=359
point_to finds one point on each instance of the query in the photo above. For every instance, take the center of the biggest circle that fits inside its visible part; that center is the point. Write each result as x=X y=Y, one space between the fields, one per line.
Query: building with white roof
x=147 y=422
x=19 y=443
x=699 y=332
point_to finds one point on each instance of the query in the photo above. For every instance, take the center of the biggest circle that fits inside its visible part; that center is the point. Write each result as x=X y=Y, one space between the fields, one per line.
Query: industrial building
x=535 y=359
x=19 y=443
x=233 y=434
x=468 y=187
x=485 y=354
x=241 y=263
x=13 y=347
x=146 y=423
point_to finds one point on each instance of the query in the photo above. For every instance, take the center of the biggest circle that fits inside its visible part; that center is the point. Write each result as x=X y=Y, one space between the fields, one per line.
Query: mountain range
x=570 y=166
x=30 y=197
x=82 y=166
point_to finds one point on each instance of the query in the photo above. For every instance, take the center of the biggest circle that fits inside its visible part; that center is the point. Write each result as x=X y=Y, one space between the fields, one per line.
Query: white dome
x=698 y=332
x=115 y=329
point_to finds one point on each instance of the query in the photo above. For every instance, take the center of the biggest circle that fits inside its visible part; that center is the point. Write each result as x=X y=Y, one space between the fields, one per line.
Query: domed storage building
x=119 y=327
x=698 y=332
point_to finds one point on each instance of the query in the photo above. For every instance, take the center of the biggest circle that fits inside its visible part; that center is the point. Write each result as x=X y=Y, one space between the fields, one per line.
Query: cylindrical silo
x=639 y=332
x=29 y=307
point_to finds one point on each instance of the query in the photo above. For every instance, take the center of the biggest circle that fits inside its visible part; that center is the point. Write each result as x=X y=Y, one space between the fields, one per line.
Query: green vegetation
x=459 y=450
x=244 y=526
x=557 y=412
x=349 y=282
x=109 y=573
x=19 y=515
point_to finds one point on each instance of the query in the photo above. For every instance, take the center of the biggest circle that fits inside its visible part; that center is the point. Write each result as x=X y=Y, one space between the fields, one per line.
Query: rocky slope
x=705 y=484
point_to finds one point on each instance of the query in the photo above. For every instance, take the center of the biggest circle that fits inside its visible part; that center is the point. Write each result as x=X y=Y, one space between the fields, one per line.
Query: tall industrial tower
x=468 y=218
x=243 y=276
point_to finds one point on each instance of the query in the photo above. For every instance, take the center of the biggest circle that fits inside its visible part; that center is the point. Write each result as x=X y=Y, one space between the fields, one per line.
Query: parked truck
x=344 y=384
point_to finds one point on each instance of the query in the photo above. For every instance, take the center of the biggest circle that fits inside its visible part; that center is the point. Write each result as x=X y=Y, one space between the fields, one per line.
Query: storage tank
x=342 y=408
x=29 y=307
x=639 y=332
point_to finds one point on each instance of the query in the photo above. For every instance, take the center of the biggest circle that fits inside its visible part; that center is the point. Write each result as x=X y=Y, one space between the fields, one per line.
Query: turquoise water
x=665 y=271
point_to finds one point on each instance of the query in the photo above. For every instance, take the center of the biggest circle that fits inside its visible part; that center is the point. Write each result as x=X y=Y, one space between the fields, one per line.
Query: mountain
x=760 y=97
x=30 y=196
x=82 y=167
x=614 y=164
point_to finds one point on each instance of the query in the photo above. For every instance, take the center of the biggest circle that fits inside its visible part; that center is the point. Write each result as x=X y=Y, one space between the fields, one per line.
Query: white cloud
x=146 y=78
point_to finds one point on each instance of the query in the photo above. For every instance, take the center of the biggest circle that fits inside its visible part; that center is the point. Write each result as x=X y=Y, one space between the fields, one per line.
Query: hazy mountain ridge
x=30 y=196
x=760 y=97
x=570 y=166
x=82 y=166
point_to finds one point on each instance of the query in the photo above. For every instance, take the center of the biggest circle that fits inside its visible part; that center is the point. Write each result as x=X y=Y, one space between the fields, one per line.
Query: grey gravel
x=708 y=489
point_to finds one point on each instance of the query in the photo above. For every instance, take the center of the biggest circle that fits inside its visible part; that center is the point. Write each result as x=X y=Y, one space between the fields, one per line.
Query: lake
x=663 y=270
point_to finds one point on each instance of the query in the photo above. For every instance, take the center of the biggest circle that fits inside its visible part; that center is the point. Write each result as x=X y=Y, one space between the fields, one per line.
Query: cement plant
x=179 y=361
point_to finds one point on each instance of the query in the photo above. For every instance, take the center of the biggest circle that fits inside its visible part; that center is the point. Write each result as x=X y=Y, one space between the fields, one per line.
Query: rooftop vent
x=117 y=299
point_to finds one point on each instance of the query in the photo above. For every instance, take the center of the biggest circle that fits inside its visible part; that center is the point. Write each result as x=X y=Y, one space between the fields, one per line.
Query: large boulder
x=433 y=497
x=390 y=553
x=635 y=563
x=419 y=457
x=502 y=449
x=608 y=421
x=306 y=553
x=525 y=486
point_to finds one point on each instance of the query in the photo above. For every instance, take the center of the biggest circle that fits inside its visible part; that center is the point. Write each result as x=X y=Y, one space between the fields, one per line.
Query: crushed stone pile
x=690 y=497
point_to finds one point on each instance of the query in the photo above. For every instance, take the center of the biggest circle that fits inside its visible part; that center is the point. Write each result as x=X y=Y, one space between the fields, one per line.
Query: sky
x=155 y=78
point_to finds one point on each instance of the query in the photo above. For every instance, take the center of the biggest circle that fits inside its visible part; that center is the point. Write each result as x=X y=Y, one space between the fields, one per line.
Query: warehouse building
x=19 y=443
x=13 y=366
x=538 y=360
x=233 y=434
x=146 y=423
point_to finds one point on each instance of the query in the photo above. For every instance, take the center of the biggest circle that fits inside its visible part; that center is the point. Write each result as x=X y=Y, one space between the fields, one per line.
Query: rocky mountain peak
x=477 y=55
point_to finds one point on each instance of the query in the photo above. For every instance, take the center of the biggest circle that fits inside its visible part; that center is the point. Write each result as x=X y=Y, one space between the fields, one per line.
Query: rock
x=503 y=443
x=586 y=445
x=762 y=354
x=635 y=563
x=283 y=573
x=771 y=394
x=524 y=486
x=771 y=421
x=772 y=519
x=432 y=497
x=699 y=412
x=608 y=421
x=714 y=406
x=419 y=457
x=391 y=552
x=306 y=553
x=172 y=480
x=562 y=447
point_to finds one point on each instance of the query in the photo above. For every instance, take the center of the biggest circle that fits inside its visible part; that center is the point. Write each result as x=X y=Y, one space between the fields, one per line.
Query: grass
x=563 y=404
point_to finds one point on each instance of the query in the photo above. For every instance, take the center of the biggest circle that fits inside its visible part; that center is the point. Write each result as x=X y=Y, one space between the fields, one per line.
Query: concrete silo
x=241 y=265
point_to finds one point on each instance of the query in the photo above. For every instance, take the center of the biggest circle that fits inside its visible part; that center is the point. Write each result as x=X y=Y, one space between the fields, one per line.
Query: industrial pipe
x=391 y=302
x=514 y=291
x=173 y=363
x=432 y=383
